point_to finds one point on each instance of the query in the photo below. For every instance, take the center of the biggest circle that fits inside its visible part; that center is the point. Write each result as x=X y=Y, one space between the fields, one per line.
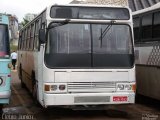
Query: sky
x=22 y=7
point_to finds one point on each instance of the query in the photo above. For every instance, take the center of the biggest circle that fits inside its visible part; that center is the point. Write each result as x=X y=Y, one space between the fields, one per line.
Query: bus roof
x=154 y=7
x=89 y=5
x=75 y=5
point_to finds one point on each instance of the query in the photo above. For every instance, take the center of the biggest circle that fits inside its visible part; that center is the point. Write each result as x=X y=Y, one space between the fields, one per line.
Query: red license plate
x=120 y=98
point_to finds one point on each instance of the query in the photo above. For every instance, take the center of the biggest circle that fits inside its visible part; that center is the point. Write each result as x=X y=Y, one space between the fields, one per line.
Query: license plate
x=120 y=98
x=95 y=99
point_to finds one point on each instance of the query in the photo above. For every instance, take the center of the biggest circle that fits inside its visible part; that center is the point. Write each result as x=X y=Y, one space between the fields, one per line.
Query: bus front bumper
x=88 y=98
x=5 y=94
x=4 y=97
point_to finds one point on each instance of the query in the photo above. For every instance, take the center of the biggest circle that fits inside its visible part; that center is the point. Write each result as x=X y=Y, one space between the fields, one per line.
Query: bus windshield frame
x=93 y=53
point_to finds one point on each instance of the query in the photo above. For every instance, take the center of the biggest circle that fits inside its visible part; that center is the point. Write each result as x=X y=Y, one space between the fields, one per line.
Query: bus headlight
x=120 y=87
x=1 y=81
x=126 y=87
x=55 y=88
x=62 y=87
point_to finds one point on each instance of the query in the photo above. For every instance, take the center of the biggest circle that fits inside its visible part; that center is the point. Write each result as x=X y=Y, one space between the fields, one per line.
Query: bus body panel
x=92 y=83
x=148 y=81
x=86 y=75
x=39 y=74
x=147 y=70
x=147 y=54
x=5 y=74
x=26 y=67
x=5 y=61
x=73 y=76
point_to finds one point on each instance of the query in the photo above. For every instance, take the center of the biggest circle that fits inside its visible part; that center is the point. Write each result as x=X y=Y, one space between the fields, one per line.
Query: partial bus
x=79 y=55
x=147 y=51
x=5 y=71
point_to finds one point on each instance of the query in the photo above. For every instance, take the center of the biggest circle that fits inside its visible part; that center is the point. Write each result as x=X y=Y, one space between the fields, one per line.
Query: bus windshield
x=4 y=40
x=86 y=45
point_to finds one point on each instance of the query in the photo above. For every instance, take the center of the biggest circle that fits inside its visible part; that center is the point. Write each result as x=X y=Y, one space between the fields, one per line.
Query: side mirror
x=42 y=36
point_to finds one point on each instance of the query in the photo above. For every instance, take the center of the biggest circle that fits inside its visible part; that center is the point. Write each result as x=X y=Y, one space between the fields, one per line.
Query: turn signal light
x=47 y=87
x=134 y=87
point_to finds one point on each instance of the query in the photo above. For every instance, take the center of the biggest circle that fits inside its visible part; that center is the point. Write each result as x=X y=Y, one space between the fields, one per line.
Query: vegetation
x=24 y=22
x=13 y=47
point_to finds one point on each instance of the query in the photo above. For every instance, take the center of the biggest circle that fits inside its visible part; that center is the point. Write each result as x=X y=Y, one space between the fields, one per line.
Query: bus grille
x=90 y=87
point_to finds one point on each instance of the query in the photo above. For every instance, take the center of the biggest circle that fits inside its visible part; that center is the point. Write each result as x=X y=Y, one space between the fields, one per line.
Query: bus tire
x=34 y=89
x=137 y=97
x=21 y=77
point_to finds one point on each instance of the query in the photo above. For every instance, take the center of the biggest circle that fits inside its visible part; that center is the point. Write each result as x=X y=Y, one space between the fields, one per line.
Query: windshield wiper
x=59 y=24
x=105 y=31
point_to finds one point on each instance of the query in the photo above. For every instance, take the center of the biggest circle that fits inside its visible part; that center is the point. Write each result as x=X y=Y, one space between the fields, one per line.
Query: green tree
x=24 y=22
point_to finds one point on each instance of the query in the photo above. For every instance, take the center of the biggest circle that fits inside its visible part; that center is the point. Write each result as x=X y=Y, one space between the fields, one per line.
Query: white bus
x=79 y=55
x=147 y=50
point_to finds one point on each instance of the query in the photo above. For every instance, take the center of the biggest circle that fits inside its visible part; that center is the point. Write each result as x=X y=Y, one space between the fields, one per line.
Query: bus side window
x=19 y=41
x=25 y=43
x=147 y=27
x=32 y=37
x=23 y=40
x=28 y=37
x=36 y=35
x=156 y=25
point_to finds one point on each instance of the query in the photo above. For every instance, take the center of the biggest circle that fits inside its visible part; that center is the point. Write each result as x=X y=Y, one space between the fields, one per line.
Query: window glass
x=69 y=39
x=28 y=36
x=136 y=26
x=111 y=43
x=156 y=25
x=24 y=31
x=32 y=37
x=147 y=26
x=89 y=45
x=36 y=35
x=115 y=39
x=100 y=13
x=4 y=40
x=20 y=41
x=25 y=43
